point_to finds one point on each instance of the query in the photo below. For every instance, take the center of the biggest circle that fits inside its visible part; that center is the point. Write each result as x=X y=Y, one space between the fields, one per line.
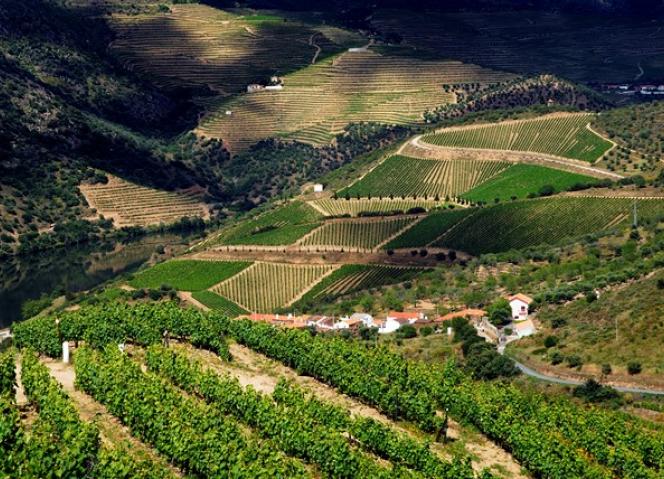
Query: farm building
x=318 y=188
x=254 y=87
x=524 y=328
x=519 y=304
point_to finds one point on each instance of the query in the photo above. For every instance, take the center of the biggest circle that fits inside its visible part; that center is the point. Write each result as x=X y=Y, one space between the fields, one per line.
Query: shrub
x=500 y=312
x=426 y=331
x=407 y=331
x=574 y=361
x=550 y=341
x=633 y=367
x=556 y=358
x=592 y=391
x=606 y=369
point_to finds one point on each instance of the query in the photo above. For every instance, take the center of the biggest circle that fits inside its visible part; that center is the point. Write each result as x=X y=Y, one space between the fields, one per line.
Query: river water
x=75 y=269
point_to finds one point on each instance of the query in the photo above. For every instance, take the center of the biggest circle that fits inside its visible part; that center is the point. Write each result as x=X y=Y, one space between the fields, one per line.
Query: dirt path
x=188 y=298
x=418 y=148
x=21 y=399
x=254 y=369
x=401 y=257
x=313 y=44
x=111 y=430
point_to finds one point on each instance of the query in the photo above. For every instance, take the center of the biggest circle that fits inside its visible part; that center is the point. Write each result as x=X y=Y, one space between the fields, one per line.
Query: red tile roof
x=521 y=297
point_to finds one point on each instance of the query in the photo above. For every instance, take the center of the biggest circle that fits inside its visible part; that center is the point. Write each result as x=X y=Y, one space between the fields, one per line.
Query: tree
x=633 y=367
x=500 y=312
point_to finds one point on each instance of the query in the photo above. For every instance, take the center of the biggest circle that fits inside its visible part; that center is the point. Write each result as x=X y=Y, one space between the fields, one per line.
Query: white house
x=524 y=328
x=254 y=87
x=519 y=304
x=318 y=188
x=396 y=319
x=365 y=318
x=274 y=87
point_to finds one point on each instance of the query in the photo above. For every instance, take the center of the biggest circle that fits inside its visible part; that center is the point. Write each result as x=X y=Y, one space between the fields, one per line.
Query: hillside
x=624 y=325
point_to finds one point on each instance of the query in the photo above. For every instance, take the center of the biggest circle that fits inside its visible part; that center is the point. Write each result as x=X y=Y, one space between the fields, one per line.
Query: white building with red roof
x=520 y=304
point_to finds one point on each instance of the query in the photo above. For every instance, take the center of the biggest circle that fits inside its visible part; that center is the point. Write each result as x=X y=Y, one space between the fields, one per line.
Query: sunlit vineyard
x=264 y=287
x=532 y=222
x=430 y=228
x=365 y=233
x=356 y=277
x=278 y=226
x=320 y=100
x=401 y=176
x=197 y=45
x=566 y=136
x=131 y=204
x=355 y=206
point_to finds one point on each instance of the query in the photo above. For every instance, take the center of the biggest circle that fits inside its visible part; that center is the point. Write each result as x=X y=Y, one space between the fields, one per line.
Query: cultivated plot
x=401 y=176
x=532 y=222
x=365 y=233
x=518 y=181
x=264 y=287
x=129 y=204
x=561 y=135
x=355 y=206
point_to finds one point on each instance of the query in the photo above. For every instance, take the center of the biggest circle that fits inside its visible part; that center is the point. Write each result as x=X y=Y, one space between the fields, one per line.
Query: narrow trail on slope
x=314 y=44
x=111 y=430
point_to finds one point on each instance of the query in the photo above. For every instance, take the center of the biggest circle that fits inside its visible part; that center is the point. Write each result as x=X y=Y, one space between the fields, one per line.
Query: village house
x=396 y=319
x=284 y=321
x=321 y=323
x=519 y=304
x=318 y=188
x=524 y=328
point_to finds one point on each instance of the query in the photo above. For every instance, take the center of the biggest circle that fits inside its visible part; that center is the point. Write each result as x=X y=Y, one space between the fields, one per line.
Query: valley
x=279 y=239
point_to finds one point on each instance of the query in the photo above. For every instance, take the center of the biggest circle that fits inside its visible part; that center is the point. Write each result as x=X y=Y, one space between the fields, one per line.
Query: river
x=75 y=269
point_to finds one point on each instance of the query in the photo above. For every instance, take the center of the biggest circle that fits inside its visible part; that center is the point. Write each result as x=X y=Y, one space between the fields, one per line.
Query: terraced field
x=533 y=222
x=187 y=275
x=129 y=204
x=365 y=233
x=355 y=277
x=197 y=45
x=401 y=176
x=561 y=135
x=264 y=287
x=320 y=100
x=354 y=206
x=218 y=303
x=519 y=180
x=280 y=226
x=429 y=229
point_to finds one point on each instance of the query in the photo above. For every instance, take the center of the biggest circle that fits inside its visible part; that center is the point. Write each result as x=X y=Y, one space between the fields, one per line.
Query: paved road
x=572 y=382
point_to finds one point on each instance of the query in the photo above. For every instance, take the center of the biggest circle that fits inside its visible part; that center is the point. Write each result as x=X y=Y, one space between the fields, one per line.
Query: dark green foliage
x=592 y=391
x=500 y=312
x=634 y=367
x=142 y=324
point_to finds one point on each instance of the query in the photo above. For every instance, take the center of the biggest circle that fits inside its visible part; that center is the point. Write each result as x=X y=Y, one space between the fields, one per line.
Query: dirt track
x=294 y=256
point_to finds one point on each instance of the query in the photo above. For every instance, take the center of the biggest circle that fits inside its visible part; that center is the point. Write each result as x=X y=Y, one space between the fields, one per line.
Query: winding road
x=574 y=382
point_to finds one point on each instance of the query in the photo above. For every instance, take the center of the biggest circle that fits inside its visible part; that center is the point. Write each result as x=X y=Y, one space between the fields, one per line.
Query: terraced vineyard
x=188 y=275
x=429 y=229
x=355 y=206
x=196 y=45
x=366 y=233
x=218 y=303
x=320 y=100
x=280 y=226
x=264 y=287
x=560 y=135
x=129 y=204
x=518 y=181
x=532 y=222
x=356 y=277
x=401 y=176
